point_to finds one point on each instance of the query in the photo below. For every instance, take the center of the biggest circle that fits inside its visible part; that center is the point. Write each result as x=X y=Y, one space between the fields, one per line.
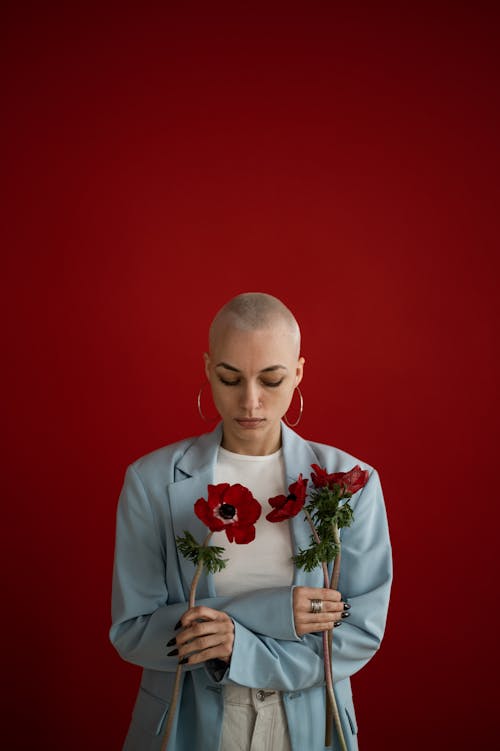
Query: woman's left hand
x=206 y=634
x=332 y=609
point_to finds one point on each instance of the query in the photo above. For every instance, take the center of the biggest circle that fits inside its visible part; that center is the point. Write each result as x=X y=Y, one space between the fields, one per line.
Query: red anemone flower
x=286 y=507
x=231 y=508
x=351 y=481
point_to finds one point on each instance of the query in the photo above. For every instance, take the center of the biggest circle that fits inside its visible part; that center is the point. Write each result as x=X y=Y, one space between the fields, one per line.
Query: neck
x=254 y=445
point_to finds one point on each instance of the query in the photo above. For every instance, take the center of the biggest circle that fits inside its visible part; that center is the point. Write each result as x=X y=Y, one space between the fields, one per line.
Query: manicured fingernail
x=173 y=652
x=177 y=625
x=347 y=606
x=345 y=615
x=171 y=642
x=183 y=661
x=337 y=623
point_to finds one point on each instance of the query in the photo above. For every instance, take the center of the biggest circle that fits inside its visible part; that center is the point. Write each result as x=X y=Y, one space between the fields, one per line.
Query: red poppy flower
x=231 y=508
x=320 y=476
x=351 y=481
x=286 y=507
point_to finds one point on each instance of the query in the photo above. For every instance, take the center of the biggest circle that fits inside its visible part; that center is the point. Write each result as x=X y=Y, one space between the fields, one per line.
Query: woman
x=251 y=648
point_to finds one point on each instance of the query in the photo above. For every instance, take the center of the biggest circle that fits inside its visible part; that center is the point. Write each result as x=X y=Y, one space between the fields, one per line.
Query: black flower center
x=227 y=511
x=291 y=497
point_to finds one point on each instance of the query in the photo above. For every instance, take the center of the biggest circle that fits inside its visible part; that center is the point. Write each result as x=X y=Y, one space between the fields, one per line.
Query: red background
x=159 y=161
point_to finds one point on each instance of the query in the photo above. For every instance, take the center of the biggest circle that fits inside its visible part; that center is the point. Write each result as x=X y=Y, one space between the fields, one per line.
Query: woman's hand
x=332 y=609
x=206 y=634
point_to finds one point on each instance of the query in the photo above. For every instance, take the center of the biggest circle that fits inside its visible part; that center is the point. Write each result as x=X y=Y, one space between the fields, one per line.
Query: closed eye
x=229 y=383
x=269 y=384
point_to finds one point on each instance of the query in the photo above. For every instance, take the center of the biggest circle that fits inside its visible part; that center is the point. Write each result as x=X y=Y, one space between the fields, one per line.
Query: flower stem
x=178 y=672
x=334 y=582
x=317 y=541
x=330 y=704
x=334 y=710
x=197 y=573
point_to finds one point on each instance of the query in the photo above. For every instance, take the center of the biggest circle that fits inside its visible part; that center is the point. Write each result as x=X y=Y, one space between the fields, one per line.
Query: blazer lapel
x=299 y=456
x=194 y=473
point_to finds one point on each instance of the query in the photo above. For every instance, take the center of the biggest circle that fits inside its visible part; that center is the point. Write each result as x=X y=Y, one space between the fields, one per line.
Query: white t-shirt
x=267 y=561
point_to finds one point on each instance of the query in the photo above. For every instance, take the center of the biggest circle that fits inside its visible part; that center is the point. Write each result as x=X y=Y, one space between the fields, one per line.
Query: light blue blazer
x=151 y=584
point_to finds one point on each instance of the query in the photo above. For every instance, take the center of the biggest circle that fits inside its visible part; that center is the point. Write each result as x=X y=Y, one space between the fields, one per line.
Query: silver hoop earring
x=293 y=424
x=200 y=392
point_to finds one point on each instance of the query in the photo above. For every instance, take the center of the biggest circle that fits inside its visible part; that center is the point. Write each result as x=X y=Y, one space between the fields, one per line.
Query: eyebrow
x=264 y=370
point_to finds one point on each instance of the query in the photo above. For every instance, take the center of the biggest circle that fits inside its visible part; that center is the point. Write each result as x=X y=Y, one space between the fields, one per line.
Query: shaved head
x=254 y=311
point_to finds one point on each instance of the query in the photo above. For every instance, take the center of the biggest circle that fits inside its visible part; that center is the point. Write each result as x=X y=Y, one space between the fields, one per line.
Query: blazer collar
x=202 y=454
x=195 y=471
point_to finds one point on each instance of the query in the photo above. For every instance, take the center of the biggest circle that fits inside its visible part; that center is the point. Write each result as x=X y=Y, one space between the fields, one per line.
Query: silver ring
x=316 y=606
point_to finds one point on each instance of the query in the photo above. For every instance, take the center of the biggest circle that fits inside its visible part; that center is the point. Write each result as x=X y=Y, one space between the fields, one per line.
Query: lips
x=250 y=422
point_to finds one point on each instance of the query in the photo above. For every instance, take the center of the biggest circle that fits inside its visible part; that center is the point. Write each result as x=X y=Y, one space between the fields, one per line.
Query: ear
x=299 y=372
x=206 y=358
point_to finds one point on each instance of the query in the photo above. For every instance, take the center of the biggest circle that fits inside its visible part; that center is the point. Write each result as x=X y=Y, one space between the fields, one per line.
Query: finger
x=303 y=604
x=318 y=619
x=326 y=607
x=205 y=643
x=222 y=652
x=311 y=628
x=201 y=612
x=204 y=628
x=318 y=593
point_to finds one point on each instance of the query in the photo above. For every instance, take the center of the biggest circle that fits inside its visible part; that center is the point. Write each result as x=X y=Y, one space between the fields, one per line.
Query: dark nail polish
x=173 y=652
x=177 y=625
x=337 y=623
x=347 y=606
x=183 y=661
x=171 y=642
x=345 y=615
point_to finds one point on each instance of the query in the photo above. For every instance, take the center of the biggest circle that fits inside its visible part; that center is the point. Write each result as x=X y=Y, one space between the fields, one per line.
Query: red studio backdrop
x=159 y=159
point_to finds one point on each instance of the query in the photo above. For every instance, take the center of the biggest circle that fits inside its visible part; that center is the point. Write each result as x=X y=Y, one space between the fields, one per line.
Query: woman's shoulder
x=160 y=463
x=334 y=459
x=186 y=453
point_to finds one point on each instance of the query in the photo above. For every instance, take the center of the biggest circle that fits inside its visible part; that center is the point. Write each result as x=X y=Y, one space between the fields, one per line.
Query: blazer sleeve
x=365 y=581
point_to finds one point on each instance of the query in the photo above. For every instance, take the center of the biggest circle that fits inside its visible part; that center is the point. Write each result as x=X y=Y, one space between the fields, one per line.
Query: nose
x=251 y=397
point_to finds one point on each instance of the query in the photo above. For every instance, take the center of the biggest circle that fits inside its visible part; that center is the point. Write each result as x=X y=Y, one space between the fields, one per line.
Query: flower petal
x=243 y=534
x=205 y=513
x=277 y=502
x=249 y=509
x=216 y=494
x=319 y=476
x=276 y=515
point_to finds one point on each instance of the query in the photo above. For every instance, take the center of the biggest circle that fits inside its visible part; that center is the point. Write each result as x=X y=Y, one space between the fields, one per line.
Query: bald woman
x=253 y=675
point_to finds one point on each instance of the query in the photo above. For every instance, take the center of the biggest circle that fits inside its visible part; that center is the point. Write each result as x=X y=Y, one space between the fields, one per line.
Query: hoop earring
x=200 y=392
x=293 y=424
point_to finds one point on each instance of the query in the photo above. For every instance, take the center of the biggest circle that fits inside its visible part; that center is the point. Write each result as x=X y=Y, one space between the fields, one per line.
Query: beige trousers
x=254 y=720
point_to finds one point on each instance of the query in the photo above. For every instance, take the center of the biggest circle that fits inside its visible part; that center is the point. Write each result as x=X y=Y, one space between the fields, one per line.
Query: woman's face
x=253 y=375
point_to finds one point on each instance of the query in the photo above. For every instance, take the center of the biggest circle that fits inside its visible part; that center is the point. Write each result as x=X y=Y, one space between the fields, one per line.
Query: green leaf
x=211 y=559
x=209 y=556
x=318 y=553
x=188 y=547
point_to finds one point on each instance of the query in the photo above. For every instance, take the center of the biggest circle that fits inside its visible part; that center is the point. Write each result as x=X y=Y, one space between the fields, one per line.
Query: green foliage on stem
x=329 y=511
x=326 y=509
x=209 y=556
x=318 y=552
